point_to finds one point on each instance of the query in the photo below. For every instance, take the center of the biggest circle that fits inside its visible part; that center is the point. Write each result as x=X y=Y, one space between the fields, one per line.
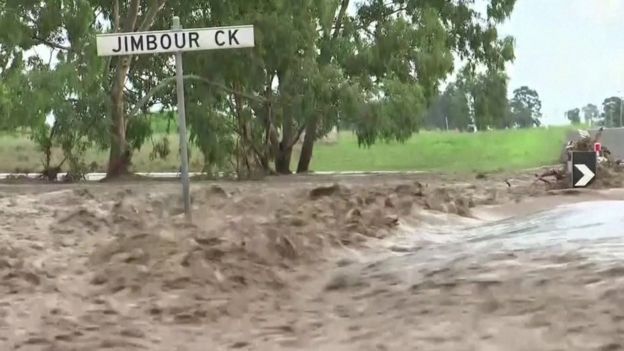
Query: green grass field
x=439 y=151
x=447 y=151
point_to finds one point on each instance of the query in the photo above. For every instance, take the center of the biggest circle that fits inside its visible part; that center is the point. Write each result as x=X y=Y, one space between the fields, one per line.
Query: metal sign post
x=182 y=126
x=177 y=40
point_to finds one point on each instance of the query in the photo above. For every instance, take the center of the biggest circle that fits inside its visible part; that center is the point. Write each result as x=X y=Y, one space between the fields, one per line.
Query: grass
x=448 y=151
x=438 y=151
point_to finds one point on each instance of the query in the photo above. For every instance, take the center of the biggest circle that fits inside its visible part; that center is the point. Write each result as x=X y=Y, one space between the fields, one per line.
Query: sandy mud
x=303 y=264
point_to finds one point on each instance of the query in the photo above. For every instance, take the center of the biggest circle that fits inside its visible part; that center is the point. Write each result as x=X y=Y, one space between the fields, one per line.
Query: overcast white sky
x=570 y=51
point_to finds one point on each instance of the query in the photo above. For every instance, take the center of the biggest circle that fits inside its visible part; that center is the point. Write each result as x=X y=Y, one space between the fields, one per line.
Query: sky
x=570 y=51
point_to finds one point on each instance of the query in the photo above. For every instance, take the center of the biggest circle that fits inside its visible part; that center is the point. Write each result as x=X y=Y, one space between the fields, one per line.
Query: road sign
x=176 y=41
x=583 y=168
x=171 y=41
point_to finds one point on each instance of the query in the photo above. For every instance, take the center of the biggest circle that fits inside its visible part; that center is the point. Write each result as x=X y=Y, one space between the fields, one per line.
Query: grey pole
x=184 y=176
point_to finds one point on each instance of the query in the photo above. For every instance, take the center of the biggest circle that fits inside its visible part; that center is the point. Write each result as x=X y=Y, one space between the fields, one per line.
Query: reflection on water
x=593 y=229
x=586 y=226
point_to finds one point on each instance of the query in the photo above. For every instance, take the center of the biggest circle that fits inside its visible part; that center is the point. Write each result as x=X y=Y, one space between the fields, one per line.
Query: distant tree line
x=609 y=115
x=480 y=99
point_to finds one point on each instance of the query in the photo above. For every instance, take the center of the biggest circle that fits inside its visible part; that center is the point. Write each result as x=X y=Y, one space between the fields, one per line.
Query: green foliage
x=479 y=98
x=489 y=97
x=590 y=113
x=574 y=116
x=526 y=107
x=213 y=136
x=612 y=112
x=611 y=115
x=314 y=66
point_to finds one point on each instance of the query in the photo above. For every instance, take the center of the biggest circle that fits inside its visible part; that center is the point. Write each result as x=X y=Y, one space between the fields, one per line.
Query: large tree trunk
x=283 y=153
x=311 y=126
x=282 y=161
x=308 y=146
x=119 y=156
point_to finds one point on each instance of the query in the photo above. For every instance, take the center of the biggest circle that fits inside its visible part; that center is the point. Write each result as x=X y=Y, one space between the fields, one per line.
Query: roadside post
x=177 y=40
x=584 y=165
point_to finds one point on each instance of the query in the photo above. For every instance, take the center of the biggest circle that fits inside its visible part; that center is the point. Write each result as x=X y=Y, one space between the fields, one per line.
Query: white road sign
x=154 y=42
x=177 y=40
x=588 y=175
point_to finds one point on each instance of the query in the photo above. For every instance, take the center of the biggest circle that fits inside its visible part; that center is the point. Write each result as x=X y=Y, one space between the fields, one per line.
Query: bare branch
x=170 y=80
x=51 y=57
x=150 y=16
x=51 y=44
x=296 y=139
x=341 y=13
x=116 y=16
x=131 y=18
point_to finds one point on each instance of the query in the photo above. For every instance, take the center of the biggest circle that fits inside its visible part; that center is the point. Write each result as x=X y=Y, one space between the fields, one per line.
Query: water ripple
x=592 y=230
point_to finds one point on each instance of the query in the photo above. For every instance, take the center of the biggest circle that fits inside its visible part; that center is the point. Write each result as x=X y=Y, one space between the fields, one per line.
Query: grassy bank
x=448 y=151
x=440 y=151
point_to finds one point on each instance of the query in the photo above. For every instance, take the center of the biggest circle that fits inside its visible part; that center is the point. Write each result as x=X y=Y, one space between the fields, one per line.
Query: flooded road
x=594 y=229
x=552 y=280
x=91 y=268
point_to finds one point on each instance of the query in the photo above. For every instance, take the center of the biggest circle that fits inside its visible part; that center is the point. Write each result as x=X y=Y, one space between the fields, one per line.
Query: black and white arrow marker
x=584 y=166
x=588 y=175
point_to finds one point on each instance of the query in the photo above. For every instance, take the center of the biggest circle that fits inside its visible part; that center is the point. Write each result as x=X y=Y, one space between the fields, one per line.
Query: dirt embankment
x=118 y=267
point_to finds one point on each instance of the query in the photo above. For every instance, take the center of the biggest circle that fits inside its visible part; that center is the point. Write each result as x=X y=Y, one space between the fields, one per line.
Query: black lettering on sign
x=151 y=42
x=165 y=41
x=219 y=43
x=118 y=45
x=232 y=35
x=180 y=40
x=193 y=38
x=136 y=43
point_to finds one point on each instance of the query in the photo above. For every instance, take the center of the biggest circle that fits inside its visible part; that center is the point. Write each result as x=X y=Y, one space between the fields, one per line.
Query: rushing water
x=551 y=280
x=592 y=229
x=595 y=227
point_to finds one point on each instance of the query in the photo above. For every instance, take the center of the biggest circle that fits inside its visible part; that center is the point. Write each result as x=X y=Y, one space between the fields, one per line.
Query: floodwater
x=551 y=280
x=594 y=229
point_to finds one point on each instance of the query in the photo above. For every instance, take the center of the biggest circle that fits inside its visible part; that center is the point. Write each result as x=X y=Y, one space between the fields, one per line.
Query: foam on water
x=575 y=226
x=592 y=229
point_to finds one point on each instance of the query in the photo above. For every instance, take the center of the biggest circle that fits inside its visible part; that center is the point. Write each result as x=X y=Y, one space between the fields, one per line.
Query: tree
x=412 y=42
x=611 y=111
x=61 y=84
x=91 y=92
x=590 y=113
x=481 y=97
x=315 y=66
x=526 y=107
x=574 y=116
x=450 y=108
x=489 y=97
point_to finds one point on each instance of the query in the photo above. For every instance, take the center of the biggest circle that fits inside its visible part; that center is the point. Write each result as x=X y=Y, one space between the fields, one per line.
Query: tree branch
x=131 y=18
x=296 y=139
x=170 y=80
x=116 y=16
x=51 y=44
x=341 y=13
x=150 y=16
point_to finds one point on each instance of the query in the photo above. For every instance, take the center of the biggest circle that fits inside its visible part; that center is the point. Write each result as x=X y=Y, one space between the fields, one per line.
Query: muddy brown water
x=549 y=280
x=546 y=280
